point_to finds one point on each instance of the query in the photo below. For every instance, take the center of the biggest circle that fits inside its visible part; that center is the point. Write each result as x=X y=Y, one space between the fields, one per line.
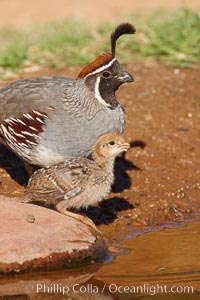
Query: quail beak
x=124 y=147
x=125 y=77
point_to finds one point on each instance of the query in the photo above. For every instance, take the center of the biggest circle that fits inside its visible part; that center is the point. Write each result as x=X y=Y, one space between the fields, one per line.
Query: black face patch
x=108 y=83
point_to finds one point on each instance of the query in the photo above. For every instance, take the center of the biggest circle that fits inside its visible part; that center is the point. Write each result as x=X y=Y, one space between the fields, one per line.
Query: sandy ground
x=22 y=13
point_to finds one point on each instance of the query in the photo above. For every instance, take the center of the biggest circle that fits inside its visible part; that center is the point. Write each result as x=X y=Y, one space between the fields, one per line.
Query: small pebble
x=183 y=129
x=30 y=219
x=176 y=71
x=160 y=268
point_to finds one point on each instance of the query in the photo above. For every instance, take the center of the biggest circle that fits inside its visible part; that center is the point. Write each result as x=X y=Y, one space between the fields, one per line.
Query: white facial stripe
x=102 y=68
x=97 y=94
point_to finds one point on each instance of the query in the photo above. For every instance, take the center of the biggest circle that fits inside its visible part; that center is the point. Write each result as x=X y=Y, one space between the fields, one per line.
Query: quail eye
x=111 y=143
x=106 y=74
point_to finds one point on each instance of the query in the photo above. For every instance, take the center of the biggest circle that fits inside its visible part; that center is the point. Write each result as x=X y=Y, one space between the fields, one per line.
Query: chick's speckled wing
x=63 y=180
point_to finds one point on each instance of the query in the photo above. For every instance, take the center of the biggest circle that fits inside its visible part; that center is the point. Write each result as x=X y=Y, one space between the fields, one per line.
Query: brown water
x=153 y=263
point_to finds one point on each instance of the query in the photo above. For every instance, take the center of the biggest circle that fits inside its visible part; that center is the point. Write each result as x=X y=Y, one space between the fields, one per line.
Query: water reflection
x=168 y=258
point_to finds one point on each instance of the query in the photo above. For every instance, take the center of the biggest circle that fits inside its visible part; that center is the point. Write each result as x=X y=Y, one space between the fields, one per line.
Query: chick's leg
x=62 y=208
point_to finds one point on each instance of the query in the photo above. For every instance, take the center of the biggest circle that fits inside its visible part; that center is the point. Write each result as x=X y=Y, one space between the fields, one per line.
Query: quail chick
x=78 y=182
x=45 y=120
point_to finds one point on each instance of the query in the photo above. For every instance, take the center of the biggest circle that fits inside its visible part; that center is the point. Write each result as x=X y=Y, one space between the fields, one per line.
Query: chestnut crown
x=104 y=59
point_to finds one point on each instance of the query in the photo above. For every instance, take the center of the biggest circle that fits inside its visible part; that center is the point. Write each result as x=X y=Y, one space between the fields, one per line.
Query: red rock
x=34 y=237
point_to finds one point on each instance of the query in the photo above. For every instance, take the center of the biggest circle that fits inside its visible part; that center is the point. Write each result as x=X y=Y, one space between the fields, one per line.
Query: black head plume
x=123 y=28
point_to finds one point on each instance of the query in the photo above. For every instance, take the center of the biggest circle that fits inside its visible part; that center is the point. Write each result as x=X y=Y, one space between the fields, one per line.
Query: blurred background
x=38 y=34
x=20 y=13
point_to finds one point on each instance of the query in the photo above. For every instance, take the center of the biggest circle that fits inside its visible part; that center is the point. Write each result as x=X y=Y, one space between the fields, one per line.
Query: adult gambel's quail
x=45 y=120
x=77 y=182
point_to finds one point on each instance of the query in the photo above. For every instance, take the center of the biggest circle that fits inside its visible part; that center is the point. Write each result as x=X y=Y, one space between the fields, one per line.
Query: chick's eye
x=106 y=74
x=111 y=143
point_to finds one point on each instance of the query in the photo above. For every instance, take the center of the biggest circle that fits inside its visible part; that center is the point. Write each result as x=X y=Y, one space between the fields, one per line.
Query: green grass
x=14 y=48
x=170 y=37
x=173 y=38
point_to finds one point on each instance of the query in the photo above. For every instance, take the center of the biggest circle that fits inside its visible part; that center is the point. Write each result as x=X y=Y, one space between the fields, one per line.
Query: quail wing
x=64 y=180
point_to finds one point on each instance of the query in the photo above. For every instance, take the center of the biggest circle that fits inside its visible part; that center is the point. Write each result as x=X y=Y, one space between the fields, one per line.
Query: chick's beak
x=124 y=146
x=125 y=77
